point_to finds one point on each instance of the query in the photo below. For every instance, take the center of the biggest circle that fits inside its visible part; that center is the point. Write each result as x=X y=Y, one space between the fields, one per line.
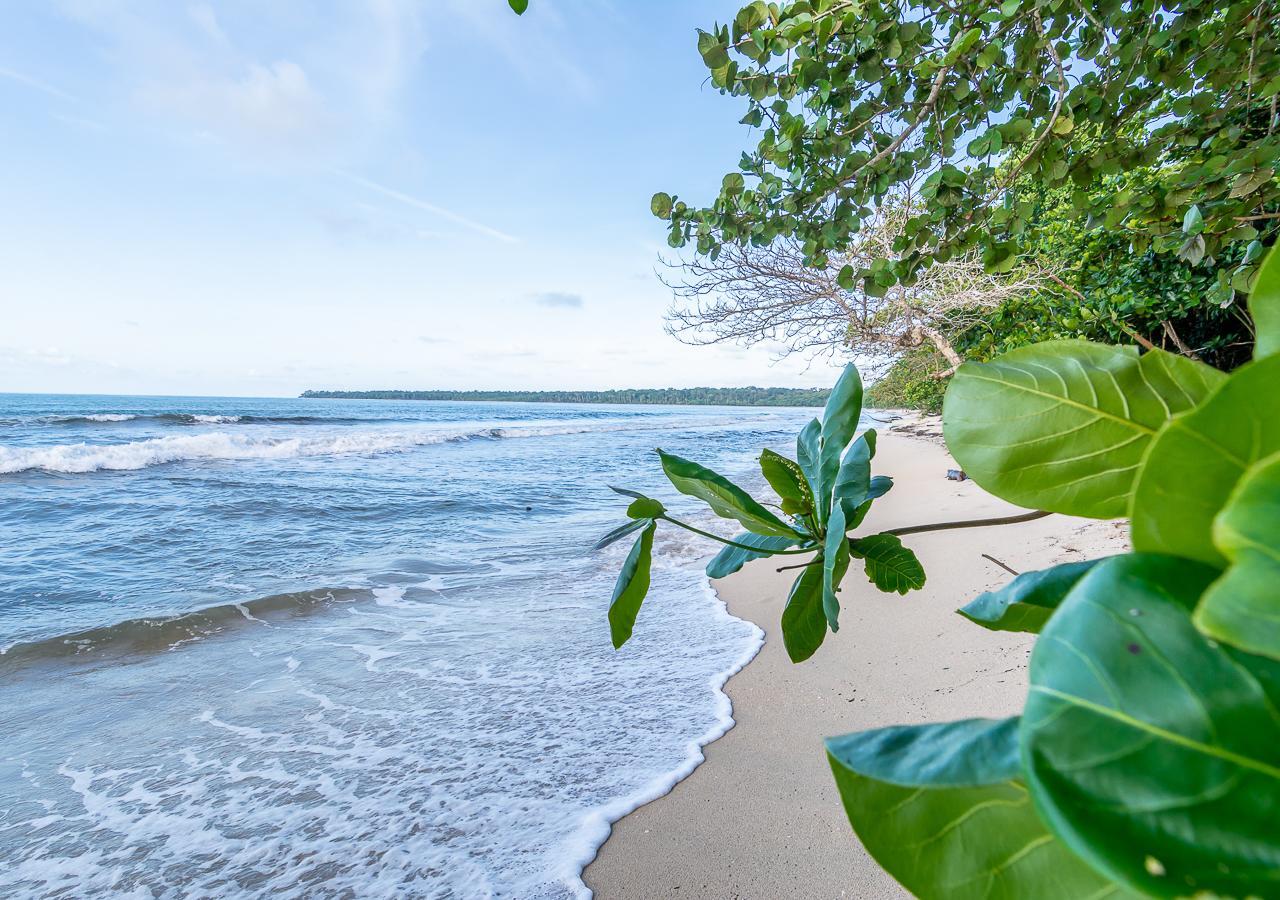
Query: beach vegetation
x=1146 y=761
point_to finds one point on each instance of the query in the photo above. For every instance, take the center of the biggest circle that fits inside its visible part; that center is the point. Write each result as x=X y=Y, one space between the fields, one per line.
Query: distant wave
x=198 y=419
x=160 y=633
x=220 y=445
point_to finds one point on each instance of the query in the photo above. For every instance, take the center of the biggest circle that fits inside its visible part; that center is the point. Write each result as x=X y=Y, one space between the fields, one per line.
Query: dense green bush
x=909 y=383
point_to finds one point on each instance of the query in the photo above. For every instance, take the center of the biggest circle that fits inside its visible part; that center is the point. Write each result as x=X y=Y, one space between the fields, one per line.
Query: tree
x=754 y=294
x=964 y=99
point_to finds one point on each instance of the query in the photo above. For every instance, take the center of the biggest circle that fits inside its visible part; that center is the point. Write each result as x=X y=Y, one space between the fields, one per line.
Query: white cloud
x=432 y=208
x=273 y=104
x=37 y=85
x=558 y=299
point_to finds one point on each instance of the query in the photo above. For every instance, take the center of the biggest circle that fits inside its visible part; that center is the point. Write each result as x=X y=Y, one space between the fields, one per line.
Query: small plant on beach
x=1146 y=761
x=825 y=493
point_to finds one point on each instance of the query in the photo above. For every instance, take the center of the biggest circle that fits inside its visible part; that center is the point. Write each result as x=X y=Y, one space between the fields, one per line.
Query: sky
x=233 y=197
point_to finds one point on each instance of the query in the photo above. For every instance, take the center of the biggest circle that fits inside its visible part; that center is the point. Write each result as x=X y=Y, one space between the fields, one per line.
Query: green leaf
x=1264 y=306
x=1151 y=750
x=1193 y=221
x=1197 y=459
x=880 y=485
x=645 y=508
x=619 y=533
x=808 y=449
x=632 y=586
x=788 y=482
x=519 y=6
x=731 y=559
x=1242 y=608
x=889 y=565
x=835 y=562
x=804 y=624
x=1026 y=603
x=853 y=481
x=725 y=498
x=940 y=807
x=839 y=422
x=660 y=205
x=1063 y=425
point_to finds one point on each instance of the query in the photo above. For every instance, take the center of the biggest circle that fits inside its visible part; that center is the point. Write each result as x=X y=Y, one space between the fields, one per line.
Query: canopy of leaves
x=855 y=99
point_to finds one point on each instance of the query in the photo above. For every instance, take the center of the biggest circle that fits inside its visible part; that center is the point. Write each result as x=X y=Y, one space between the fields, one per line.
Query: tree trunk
x=939 y=340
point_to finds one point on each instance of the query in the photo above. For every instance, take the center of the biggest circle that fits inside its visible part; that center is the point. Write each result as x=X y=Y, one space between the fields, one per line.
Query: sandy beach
x=761 y=818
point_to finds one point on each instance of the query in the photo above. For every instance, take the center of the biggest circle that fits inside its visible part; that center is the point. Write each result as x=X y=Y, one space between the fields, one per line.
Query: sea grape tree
x=1146 y=761
x=968 y=103
x=824 y=493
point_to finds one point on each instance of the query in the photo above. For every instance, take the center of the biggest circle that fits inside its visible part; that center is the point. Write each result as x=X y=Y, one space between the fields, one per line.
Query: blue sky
x=255 y=198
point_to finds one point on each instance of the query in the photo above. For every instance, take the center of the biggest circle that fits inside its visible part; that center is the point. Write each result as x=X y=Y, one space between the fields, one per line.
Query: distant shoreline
x=702 y=396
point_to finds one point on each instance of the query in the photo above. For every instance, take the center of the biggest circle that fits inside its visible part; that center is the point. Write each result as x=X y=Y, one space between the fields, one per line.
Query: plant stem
x=970 y=523
x=716 y=537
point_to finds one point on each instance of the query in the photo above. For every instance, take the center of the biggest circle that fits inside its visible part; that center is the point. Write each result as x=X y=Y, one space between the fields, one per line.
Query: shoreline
x=760 y=816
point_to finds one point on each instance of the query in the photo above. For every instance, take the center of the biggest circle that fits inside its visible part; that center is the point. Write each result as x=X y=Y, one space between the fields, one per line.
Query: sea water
x=327 y=648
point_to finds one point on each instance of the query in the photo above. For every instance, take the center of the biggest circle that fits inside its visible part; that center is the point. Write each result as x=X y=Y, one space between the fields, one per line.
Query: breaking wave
x=199 y=419
x=219 y=445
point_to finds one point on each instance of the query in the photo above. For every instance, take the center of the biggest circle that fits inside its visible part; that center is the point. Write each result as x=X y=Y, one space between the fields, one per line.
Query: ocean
x=337 y=648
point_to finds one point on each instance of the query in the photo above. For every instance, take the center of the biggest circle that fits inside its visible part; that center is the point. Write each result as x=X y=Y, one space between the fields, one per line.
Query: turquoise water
x=314 y=648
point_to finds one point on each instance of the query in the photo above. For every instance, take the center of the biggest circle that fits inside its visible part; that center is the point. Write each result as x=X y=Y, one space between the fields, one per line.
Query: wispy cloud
x=432 y=208
x=558 y=299
x=38 y=85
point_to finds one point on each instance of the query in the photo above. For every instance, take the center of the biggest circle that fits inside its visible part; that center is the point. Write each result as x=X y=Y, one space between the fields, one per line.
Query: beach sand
x=761 y=818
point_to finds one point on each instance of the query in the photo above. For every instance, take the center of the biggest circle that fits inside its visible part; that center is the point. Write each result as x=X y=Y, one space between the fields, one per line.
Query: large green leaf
x=835 y=562
x=1264 y=306
x=1242 y=607
x=808 y=452
x=724 y=497
x=1063 y=425
x=853 y=479
x=631 y=587
x=731 y=559
x=839 y=423
x=889 y=565
x=941 y=809
x=788 y=481
x=1151 y=750
x=1197 y=460
x=804 y=624
x=1028 y=601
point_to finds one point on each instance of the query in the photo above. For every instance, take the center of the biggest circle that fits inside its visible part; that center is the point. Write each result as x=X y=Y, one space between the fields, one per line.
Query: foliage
x=824 y=494
x=963 y=101
x=909 y=383
x=699 y=396
x=1147 y=758
x=1106 y=292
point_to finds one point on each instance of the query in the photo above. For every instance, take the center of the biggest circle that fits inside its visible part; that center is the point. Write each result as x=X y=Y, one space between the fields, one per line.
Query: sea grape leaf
x=835 y=562
x=941 y=808
x=787 y=480
x=1063 y=425
x=1028 y=601
x=1151 y=750
x=1242 y=608
x=519 y=6
x=839 y=423
x=620 y=532
x=725 y=498
x=1197 y=459
x=808 y=450
x=1264 y=306
x=731 y=559
x=853 y=479
x=631 y=587
x=804 y=624
x=890 y=566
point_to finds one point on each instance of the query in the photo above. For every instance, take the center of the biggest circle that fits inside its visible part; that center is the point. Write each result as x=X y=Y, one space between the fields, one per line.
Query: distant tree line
x=698 y=396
